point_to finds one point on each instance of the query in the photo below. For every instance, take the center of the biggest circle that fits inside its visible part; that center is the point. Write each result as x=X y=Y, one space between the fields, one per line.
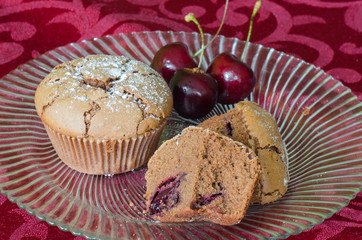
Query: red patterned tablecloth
x=327 y=33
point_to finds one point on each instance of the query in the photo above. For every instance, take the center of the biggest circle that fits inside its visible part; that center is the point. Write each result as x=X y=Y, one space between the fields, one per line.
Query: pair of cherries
x=195 y=92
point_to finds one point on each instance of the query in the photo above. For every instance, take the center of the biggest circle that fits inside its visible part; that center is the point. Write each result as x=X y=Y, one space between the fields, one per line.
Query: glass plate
x=319 y=118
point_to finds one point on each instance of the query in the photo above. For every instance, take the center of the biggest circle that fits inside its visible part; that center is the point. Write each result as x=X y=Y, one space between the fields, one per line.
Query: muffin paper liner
x=105 y=156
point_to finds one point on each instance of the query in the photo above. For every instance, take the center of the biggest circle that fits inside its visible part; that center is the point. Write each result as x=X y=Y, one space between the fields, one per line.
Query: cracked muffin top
x=103 y=96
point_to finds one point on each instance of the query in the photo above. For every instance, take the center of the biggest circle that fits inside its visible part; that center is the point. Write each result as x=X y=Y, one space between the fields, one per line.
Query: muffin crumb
x=306 y=111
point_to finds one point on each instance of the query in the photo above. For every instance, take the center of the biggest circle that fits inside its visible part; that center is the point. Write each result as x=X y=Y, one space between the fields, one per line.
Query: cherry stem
x=217 y=33
x=255 y=10
x=190 y=17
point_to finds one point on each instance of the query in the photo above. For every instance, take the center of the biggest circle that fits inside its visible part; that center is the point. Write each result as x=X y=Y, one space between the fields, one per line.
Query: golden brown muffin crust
x=103 y=96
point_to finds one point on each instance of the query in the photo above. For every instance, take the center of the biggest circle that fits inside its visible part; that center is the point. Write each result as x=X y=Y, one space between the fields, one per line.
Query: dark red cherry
x=194 y=93
x=236 y=80
x=171 y=58
x=205 y=200
x=167 y=195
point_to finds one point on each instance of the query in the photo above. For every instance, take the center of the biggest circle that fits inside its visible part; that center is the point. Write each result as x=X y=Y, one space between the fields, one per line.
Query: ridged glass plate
x=320 y=121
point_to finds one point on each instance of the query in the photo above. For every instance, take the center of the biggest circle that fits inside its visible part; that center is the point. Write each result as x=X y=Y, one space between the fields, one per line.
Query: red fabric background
x=326 y=33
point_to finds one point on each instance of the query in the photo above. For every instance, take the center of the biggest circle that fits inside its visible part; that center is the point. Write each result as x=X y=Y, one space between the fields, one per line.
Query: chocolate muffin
x=200 y=175
x=250 y=124
x=104 y=114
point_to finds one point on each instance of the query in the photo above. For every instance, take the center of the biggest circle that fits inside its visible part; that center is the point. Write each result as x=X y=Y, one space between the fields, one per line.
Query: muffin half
x=253 y=126
x=200 y=175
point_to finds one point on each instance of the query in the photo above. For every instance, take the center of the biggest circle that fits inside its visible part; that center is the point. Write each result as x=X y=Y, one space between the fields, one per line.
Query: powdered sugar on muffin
x=104 y=114
x=98 y=85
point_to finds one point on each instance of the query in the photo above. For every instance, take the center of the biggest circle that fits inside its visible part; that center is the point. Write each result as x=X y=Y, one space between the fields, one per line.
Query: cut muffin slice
x=200 y=175
x=255 y=127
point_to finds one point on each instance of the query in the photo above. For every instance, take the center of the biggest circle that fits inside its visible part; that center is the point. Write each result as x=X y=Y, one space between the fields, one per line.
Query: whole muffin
x=250 y=124
x=104 y=114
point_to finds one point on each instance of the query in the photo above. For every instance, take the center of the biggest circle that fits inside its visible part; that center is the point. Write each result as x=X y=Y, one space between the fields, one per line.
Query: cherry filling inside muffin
x=205 y=200
x=167 y=195
x=220 y=180
x=229 y=129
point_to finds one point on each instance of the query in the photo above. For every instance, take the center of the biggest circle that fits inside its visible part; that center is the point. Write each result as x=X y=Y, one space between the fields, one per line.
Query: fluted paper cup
x=105 y=156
